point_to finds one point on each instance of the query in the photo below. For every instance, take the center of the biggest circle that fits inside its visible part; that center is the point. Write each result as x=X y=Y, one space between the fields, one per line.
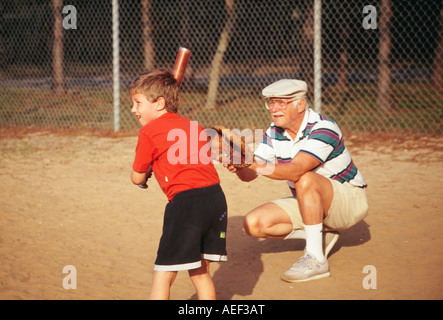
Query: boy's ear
x=161 y=103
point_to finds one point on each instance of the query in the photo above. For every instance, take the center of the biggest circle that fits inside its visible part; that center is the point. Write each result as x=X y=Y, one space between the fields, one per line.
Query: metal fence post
x=115 y=63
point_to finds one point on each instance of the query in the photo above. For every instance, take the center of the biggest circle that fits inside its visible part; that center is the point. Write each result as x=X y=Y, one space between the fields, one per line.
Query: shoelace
x=305 y=261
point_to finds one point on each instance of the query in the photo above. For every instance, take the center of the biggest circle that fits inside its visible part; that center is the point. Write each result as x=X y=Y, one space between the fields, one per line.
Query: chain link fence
x=380 y=61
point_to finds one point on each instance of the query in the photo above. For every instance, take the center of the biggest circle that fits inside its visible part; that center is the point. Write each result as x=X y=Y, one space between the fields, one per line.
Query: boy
x=194 y=229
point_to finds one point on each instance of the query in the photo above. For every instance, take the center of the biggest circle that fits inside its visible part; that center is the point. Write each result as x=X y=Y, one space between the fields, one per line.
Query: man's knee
x=252 y=225
x=267 y=221
x=306 y=182
x=313 y=182
x=314 y=191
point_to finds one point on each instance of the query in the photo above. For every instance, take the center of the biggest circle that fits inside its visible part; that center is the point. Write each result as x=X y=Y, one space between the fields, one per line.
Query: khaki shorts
x=348 y=207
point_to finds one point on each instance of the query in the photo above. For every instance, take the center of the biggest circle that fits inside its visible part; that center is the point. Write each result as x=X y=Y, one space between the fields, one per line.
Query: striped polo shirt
x=318 y=136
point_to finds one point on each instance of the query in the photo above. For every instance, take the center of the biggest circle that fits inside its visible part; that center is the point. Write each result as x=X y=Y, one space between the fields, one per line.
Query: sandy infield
x=67 y=200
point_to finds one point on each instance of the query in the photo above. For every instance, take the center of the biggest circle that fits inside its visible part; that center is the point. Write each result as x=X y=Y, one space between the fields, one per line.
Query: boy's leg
x=161 y=284
x=202 y=281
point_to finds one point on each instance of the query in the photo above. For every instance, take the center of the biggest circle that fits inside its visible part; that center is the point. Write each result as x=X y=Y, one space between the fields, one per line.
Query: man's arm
x=292 y=171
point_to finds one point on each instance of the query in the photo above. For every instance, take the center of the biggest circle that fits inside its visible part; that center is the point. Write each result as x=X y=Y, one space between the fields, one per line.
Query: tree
x=343 y=47
x=58 y=80
x=185 y=23
x=384 y=97
x=148 y=43
x=214 y=76
x=437 y=67
x=306 y=48
x=342 y=84
x=2 y=46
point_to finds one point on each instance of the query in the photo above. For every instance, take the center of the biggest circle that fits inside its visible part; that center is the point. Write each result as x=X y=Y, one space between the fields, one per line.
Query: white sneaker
x=307 y=268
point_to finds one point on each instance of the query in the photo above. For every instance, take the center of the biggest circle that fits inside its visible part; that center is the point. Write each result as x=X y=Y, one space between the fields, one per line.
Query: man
x=308 y=151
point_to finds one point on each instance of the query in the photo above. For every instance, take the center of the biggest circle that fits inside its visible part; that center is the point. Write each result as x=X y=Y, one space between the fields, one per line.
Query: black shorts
x=194 y=228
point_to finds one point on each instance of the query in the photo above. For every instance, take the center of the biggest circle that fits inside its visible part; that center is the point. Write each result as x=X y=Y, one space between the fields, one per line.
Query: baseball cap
x=286 y=88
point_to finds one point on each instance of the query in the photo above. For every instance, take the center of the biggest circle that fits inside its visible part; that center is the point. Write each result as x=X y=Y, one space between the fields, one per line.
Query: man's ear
x=301 y=105
x=161 y=104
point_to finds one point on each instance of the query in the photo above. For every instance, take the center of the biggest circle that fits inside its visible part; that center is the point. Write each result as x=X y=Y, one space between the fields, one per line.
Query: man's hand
x=244 y=174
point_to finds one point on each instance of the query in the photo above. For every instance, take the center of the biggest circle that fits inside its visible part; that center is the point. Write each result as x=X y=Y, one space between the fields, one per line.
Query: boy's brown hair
x=155 y=84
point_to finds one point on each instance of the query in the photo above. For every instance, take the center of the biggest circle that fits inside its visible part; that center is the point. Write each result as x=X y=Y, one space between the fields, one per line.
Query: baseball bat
x=181 y=61
x=178 y=71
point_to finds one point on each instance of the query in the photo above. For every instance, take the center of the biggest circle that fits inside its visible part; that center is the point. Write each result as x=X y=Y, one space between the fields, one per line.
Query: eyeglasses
x=277 y=104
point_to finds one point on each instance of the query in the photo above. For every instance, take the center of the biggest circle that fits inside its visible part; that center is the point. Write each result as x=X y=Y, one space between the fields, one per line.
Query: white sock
x=314 y=240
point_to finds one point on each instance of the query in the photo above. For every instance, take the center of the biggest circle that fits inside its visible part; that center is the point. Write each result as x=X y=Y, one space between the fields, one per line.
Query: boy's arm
x=139 y=178
x=142 y=166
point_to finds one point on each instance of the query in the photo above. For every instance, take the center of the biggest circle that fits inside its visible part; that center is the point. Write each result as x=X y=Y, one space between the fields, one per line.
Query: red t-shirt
x=178 y=150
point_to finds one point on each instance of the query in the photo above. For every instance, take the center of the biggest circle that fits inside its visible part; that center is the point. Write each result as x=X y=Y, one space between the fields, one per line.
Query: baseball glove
x=231 y=148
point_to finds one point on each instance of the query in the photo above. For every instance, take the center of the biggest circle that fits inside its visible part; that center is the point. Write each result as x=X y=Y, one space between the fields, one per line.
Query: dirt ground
x=67 y=200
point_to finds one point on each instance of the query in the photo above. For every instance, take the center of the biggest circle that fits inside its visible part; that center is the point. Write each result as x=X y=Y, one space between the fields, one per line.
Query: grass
x=417 y=109
x=41 y=108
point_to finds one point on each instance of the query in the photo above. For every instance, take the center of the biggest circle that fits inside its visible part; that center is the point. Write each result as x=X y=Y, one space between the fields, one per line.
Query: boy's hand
x=145 y=184
x=141 y=178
